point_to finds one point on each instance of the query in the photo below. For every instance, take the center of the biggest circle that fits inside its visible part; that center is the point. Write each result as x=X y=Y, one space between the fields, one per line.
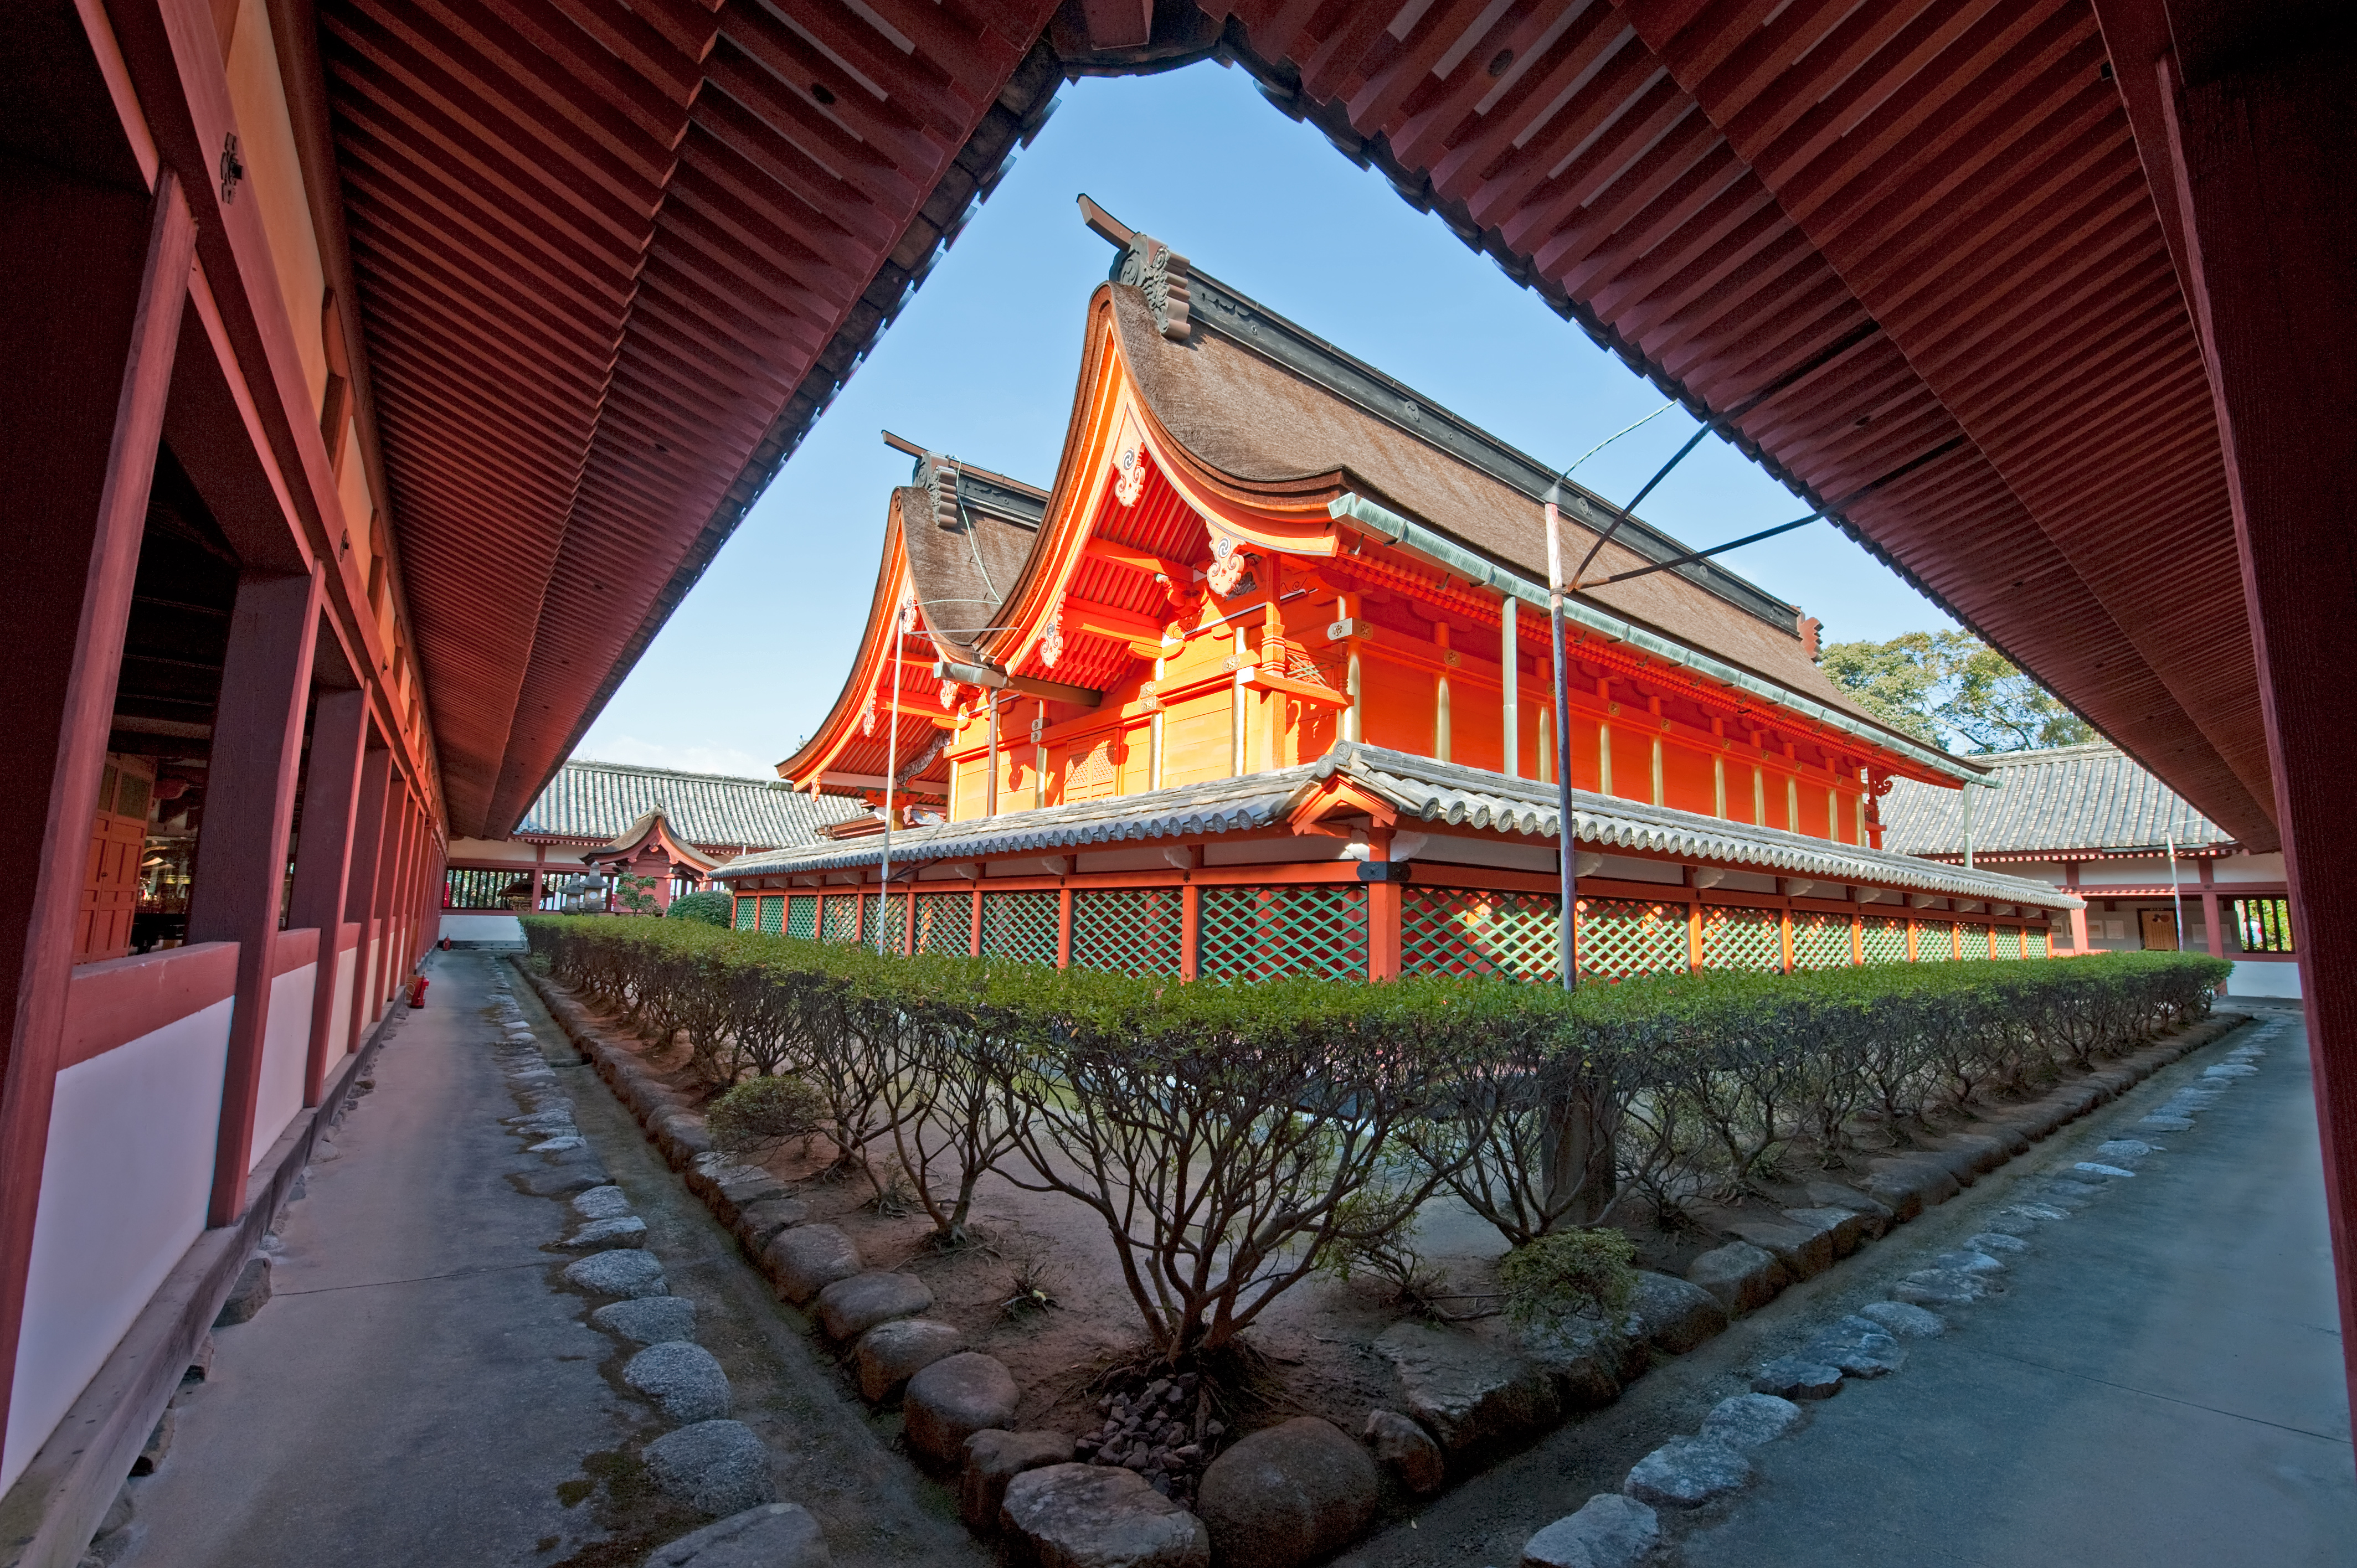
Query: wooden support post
x=2078 y=915
x=973 y=948
x=1190 y=914
x=540 y=879
x=1064 y=927
x=323 y=859
x=1510 y=669
x=1913 y=925
x=1382 y=912
x=97 y=278
x=371 y=849
x=1784 y=929
x=1857 y=939
x=2213 y=935
x=241 y=854
x=908 y=921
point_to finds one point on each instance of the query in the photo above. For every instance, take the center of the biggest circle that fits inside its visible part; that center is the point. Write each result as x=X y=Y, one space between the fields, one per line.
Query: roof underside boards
x=612 y=262
x=1420 y=790
x=2084 y=797
x=1926 y=228
x=600 y=800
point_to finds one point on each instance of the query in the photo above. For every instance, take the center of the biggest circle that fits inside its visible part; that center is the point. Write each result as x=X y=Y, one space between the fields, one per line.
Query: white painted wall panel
x=285 y=1046
x=340 y=1028
x=483 y=929
x=124 y=1193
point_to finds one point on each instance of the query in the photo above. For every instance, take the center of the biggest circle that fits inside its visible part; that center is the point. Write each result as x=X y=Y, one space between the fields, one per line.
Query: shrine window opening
x=2263 y=925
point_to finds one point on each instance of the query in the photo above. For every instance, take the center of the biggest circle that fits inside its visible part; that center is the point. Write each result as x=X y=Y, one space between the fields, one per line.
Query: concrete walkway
x=416 y=1391
x=2161 y=1385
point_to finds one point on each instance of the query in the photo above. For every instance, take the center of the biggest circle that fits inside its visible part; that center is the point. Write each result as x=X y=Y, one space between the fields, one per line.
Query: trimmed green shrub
x=712 y=909
x=1233 y=1139
x=1566 y=1272
x=763 y=1112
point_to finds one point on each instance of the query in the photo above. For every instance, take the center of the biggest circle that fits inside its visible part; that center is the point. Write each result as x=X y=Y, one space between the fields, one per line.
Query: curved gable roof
x=2092 y=796
x=603 y=801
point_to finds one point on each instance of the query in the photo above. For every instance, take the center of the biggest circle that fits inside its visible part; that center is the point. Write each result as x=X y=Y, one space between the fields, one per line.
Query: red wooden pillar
x=2078 y=916
x=974 y=935
x=388 y=896
x=96 y=281
x=2213 y=937
x=1383 y=910
x=540 y=872
x=323 y=857
x=2258 y=133
x=241 y=854
x=371 y=849
x=1063 y=927
x=1190 y=913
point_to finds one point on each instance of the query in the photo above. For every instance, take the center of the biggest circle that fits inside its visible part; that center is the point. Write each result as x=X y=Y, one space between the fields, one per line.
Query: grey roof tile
x=601 y=799
x=2068 y=797
x=1419 y=788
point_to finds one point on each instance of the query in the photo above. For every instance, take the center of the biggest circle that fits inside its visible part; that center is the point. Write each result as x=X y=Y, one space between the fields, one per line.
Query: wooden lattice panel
x=2005 y=941
x=1262 y=933
x=1130 y=930
x=1742 y=939
x=2037 y=944
x=1885 y=940
x=1975 y=940
x=1820 y=941
x=1935 y=942
x=1020 y=926
x=777 y=914
x=1623 y=937
x=945 y=922
x=838 y=918
x=801 y=916
x=1452 y=930
x=744 y=914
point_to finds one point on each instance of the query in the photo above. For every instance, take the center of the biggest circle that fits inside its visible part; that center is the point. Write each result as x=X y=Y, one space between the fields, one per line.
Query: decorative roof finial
x=1147 y=265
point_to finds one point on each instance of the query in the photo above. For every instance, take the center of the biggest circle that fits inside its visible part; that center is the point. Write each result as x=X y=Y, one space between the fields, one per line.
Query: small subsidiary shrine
x=1262 y=685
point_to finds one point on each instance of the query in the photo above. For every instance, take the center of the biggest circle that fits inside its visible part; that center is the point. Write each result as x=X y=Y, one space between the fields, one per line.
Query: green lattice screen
x=2037 y=943
x=1742 y=939
x=945 y=922
x=1020 y=926
x=1130 y=930
x=744 y=914
x=887 y=918
x=1820 y=942
x=1975 y=939
x=1621 y=937
x=776 y=910
x=1935 y=942
x=838 y=918
x=1262 y=933
x=801 y=916
x=1886 y=940
x=1453 y=931
x=2005 y=941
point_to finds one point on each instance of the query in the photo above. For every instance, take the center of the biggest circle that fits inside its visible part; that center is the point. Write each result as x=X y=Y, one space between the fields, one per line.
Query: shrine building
x=1262 y=685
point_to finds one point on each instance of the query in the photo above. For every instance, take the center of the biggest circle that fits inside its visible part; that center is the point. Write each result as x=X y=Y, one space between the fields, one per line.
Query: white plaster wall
x=2264 y=979
x=124 y=1192
x=2266 y=868
x=339 y=1027
x=286 y=1049
x=483 y=929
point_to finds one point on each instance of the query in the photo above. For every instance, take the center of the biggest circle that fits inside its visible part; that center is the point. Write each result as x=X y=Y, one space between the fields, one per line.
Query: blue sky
x=981 y=365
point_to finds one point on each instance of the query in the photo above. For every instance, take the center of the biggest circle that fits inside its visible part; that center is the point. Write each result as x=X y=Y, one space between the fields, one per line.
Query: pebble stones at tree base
x=649 y=1320
x=625 y=1273
x=1903 y=1320
x=684 y=1380
x=1288 y=1494
x=1610 y=1530
x=718 y=1467
x=849 y=1308
x=1747 y=1421
x=774 y=1535
x=1406 y=1450
x=1152 y=1431
x=1687 y=1472
x=1089 y=1516
x=952 y=1400
x=993 y=1459
x=1795 y=1378
x=889 y=1353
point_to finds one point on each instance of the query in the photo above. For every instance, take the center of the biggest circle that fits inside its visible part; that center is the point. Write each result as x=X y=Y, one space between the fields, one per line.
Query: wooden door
x=118 y=839
x=2159 y=928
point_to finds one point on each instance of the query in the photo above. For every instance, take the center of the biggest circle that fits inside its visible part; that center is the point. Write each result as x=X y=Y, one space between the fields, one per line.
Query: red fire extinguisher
x=417 y=990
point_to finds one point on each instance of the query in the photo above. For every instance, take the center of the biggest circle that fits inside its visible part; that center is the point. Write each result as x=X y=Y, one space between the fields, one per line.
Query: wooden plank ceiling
x=612 y=259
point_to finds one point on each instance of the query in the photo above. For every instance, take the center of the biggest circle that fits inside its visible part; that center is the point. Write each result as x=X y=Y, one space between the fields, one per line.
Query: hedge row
x=1233 y=1139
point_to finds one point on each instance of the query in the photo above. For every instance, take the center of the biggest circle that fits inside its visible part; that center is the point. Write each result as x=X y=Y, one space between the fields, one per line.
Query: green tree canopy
x=1954 y=691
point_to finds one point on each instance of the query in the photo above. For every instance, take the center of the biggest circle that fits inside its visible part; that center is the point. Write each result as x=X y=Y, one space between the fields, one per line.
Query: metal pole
x=1968 y=825
x=2176 y=894
x=1567 y=959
